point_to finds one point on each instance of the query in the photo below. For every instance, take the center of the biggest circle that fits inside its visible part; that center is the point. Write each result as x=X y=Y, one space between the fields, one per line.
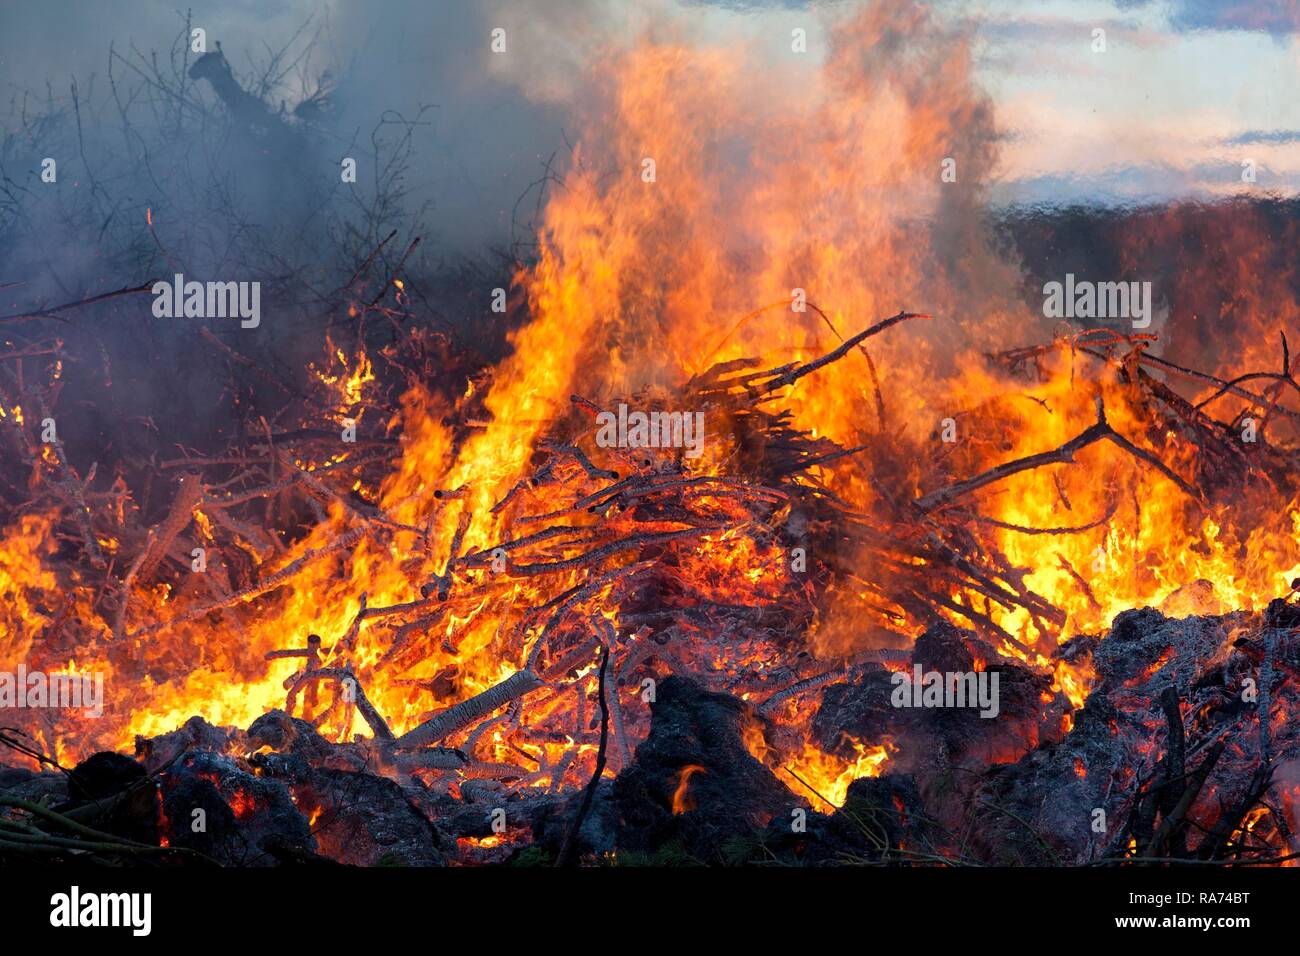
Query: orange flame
x=682 y=800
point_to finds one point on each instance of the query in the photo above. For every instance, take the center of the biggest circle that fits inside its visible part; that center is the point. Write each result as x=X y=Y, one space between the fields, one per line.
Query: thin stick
x=571 y=838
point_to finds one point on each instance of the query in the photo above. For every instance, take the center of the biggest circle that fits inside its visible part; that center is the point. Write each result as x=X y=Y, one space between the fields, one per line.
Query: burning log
x=776 y=699
x=581 y=458
x=442 y=583
x=433 y=758
x=1168 y=839
x=491 y=770
x=265 y=545
x=609 y=699
x=467 y=711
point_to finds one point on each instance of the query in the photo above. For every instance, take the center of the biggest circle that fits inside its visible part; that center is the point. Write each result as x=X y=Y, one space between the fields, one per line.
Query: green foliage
x=532 y=856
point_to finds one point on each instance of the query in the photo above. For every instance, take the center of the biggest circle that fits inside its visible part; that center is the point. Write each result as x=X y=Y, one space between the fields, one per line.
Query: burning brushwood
x=626 y=538
x=593 y=570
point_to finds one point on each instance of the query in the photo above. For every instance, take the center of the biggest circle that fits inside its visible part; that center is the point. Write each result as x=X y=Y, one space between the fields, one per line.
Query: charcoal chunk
x=731 y=796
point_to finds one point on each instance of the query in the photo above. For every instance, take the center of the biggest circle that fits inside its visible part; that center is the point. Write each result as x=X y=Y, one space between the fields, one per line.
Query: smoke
x=483 y=124
x=453 y=113
x=152 y=173
x=417 y=74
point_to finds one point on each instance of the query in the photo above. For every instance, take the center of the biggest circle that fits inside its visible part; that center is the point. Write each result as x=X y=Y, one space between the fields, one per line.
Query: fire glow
x=466 y=595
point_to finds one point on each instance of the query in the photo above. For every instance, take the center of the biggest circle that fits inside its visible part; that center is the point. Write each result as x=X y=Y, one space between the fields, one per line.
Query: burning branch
x=179 y=515
x=1061 y=455
x=794 y=374
x=467 y=711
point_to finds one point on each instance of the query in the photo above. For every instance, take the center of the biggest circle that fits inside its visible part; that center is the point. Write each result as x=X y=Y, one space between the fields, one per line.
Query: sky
x=1185 y=91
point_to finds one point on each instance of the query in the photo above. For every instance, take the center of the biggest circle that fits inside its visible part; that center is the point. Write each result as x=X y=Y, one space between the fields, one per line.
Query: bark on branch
x=467 y=711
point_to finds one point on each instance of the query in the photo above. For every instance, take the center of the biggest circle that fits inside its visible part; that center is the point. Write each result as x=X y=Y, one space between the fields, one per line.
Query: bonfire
x=764 y=538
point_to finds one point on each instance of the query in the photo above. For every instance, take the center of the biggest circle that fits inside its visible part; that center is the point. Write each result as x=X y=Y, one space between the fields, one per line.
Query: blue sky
x=1184 y=93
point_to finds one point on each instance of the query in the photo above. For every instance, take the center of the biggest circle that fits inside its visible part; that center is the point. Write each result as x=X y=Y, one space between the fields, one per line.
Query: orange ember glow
x=682 y=800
